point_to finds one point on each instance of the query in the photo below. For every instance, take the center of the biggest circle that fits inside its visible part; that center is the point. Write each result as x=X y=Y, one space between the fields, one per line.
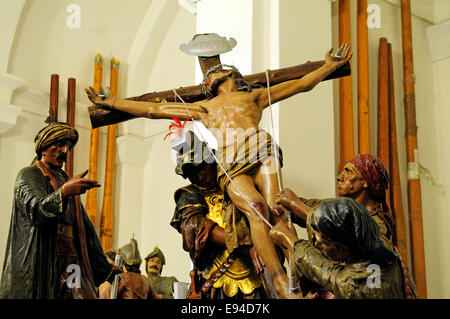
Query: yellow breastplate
x=215 y=206
x=239 y=276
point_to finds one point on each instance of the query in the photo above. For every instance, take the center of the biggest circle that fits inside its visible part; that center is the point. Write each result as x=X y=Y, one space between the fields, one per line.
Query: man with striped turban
x=53 y=250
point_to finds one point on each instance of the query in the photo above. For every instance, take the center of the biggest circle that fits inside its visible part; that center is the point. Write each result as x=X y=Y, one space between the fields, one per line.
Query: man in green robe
x=154 y=263
x=53 y=250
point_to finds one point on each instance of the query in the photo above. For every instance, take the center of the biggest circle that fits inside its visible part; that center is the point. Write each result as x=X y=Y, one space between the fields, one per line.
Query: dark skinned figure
x=198 y=216
x=363 y=178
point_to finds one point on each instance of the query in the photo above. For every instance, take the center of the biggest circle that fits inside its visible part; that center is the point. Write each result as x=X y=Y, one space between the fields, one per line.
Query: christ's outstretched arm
x=287 y=89
x=162 y=110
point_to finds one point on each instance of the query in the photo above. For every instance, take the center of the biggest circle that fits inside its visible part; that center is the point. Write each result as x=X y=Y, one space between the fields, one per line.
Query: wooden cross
x=101 y=116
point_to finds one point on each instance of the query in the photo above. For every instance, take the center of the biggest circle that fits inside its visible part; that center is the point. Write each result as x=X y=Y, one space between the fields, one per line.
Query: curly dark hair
x=348 y=223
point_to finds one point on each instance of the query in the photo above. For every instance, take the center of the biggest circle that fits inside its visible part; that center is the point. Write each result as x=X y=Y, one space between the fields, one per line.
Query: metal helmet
x=191 y=151
x=130 y=253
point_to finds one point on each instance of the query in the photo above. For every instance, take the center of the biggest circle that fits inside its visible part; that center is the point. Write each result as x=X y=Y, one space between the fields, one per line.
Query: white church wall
x=171 y=70
x=275 y=34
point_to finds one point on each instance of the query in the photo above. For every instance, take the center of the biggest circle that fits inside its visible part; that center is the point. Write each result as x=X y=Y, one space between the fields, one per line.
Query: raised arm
x=291 y=201
x=287 y=89
x=162 y=110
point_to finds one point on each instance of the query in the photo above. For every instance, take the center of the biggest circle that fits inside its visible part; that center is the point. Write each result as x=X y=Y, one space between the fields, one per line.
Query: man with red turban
x=363 y=178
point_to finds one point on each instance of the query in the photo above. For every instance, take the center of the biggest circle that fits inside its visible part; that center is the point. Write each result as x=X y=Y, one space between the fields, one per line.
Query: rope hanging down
x=277 y=160
x=293 y=283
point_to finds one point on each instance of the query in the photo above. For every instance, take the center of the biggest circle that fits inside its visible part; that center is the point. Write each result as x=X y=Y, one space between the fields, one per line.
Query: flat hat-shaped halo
x=208 y=45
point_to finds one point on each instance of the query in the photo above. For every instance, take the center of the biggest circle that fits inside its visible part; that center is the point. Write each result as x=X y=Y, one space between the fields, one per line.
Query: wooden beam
x=346 y=132
x=383 y=106
x=395 y=190
x=363 y=79
x=107 y=214
x=71 y=88
x=105 y=116
x=414 y=190
x=91 y=197
x=54 y=96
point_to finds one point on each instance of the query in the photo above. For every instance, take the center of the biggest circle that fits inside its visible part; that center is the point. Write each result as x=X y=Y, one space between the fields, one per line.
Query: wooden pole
x=345 y=91
x=396 y=203
x=414 y=191
x=383 y=106
x=71 y=87
x=107 y=214
x=363 y=79
x=91 y=197
x=54 y=95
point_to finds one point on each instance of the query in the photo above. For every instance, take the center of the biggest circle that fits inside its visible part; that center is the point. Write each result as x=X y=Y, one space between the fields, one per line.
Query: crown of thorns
x=215 y=67
x=212 y=70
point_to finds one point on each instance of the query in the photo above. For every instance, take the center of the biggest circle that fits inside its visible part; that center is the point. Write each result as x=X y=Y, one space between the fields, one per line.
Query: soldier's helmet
x=156 y=253
x=130 y=253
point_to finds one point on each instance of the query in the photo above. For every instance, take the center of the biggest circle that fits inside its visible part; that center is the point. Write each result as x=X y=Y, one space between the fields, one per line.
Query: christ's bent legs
x=247 y=199
x=266 y=180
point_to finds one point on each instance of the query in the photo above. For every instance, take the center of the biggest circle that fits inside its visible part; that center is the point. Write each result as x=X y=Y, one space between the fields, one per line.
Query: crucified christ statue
x=252 y=187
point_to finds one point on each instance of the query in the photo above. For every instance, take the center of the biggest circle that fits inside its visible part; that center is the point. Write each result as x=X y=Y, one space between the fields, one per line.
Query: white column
x=132 y=153
x=439 y=49
x=8 y=112
x=266 y=52
x=231 y=18
x=307 y=133
x=254 y=25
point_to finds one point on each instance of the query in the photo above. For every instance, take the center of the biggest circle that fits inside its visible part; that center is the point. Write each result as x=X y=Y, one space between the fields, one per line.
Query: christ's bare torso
x=231 y=111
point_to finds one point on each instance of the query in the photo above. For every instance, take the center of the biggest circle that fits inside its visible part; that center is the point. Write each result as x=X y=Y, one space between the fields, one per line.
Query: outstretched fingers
x=349 y=54
x=82 y=174
x=85 y=182
x=346 y=51
x=90 y=183
x=91 y=93
x=330 y=52
x=92 y=90
x=345 y=48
